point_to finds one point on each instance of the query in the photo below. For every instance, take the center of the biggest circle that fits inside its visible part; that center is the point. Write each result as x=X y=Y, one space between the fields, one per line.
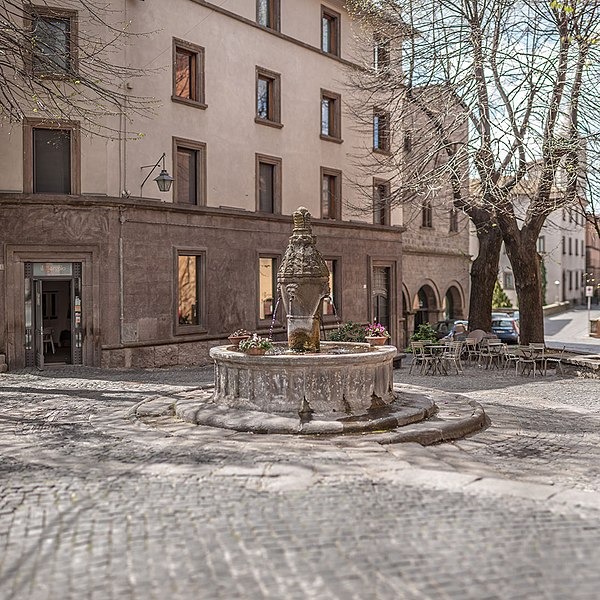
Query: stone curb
x=408 y=424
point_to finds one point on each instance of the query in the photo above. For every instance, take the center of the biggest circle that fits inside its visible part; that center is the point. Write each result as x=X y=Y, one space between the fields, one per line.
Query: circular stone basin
x=344 y=378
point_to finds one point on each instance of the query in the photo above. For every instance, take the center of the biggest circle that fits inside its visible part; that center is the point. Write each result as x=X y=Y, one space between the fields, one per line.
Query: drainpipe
x=122 y=220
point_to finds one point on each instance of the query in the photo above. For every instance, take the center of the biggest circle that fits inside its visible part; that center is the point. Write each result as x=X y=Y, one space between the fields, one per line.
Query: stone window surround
x=386 y=208
x=276 y=257
x=198 y=79
x=198 y=252
x=31 y=11
x=336 y=115
x=201 y=185
x=336 y=292
x=335 y=19
x=277 y=184
x=274 y=99
x=326 y=171
x=29 y=125
x=275 y=13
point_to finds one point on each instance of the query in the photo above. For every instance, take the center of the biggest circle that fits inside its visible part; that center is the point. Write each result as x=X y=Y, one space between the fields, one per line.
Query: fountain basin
x=346 y=378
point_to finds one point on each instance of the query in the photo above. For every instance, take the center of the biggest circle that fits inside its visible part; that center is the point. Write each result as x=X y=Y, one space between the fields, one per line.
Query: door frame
x=16 y=257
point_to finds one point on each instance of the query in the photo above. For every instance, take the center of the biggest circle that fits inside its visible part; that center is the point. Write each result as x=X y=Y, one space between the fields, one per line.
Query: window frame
x=333 y=17
x=201 y=184
x=266 y=322
x=274 y=12
x=379 y=113
x=508 y=280
x=385 y=209
x=381 y=43
x=274 y=98
x=198 y=79
x=29 y=125
x=453 y=220
x=336 y=114
x=277 y=183
x=426 y=214
x=337 y=174
x=201 y=327
x=336 y=292
x=33 y=11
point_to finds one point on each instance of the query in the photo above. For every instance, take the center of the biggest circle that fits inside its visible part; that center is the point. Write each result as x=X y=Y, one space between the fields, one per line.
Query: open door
x=38 y=325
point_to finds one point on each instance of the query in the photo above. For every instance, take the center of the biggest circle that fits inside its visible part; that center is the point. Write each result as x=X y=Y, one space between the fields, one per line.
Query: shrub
x=348 y=332
x=424 y=333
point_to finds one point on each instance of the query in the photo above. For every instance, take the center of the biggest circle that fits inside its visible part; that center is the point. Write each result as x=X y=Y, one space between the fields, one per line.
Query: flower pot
x=236 y=339
x=376 y=340
x=256 y=351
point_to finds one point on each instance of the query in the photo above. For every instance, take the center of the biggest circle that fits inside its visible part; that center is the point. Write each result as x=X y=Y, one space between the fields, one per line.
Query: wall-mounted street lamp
x=557 y=284
x=163 y=181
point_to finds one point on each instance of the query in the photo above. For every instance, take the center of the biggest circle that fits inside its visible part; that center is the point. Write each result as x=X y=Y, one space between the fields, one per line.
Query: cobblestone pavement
x=94 y=505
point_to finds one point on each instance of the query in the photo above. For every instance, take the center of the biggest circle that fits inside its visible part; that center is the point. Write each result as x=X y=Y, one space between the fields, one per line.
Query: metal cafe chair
x=452 y=355
x=420 y=357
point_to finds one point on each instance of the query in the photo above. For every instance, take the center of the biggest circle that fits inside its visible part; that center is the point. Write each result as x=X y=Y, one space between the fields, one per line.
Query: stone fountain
x=310 y=377
x=312 y=387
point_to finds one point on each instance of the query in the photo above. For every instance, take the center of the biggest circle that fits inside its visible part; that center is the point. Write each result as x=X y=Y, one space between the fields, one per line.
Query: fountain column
x=303 y=282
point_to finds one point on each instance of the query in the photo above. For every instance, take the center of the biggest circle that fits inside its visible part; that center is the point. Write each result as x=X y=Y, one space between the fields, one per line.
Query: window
x=407 y=142
x=563 y=215
x=188 y=73
x=331 y=194
x=453 y=220
x=190 y=172
x=267 y=286
x=268 y=184
x=381 y=202
x=268 y=97
x=331 y=116
x=190 y=291
x=54 y=41
x=51 y=157
x=564 y=246
x=381 y=53
x=570 y=280
x=570 y=246
x=576 y=243
x=509 y=281
x=331 y=306
x=582 y=248
x=381 y=130
x=541 y=244
x=330 y=31
x=426 y=214
x=267 y=13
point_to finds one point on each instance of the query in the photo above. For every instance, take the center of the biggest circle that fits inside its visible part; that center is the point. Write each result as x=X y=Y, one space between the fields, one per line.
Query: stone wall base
x=188 y=354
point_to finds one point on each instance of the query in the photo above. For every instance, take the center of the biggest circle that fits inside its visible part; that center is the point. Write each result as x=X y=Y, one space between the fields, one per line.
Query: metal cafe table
x=436 y=365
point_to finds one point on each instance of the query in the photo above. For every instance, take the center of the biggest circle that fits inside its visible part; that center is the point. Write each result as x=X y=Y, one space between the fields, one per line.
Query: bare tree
x=67 y=62
x=523 y=75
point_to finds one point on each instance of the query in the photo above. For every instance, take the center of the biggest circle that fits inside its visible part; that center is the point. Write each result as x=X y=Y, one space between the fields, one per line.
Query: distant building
x=592 y=260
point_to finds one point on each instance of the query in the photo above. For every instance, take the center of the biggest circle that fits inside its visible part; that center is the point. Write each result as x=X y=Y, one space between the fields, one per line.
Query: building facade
x=99 y=268
x=592 y=260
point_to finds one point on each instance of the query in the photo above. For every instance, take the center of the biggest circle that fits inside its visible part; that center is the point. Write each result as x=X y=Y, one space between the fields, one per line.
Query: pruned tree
x=522 y=76
x=66 y=61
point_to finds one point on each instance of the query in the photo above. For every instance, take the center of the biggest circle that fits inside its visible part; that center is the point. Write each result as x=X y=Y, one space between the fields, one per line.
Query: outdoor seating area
x=448 y=357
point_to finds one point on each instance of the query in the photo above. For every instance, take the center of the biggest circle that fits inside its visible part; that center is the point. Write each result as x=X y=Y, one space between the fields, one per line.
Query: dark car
x=444 y=328
x=506 y=329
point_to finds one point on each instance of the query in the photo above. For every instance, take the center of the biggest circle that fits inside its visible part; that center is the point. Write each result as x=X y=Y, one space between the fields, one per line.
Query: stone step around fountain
x=418 y=415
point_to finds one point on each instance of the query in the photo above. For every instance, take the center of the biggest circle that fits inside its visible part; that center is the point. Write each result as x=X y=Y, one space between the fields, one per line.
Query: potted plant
x=239 y=335
x=255 y=345
x=376 y=334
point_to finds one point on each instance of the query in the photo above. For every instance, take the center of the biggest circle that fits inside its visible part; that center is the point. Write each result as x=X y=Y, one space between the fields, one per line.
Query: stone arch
x=425 y=304
x=453 y=304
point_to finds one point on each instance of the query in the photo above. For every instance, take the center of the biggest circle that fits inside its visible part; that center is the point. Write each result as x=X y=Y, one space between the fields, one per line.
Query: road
x=571 y=329
x=96 y=505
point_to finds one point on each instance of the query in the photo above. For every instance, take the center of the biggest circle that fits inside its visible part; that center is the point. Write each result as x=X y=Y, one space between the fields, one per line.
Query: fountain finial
x=302 y=221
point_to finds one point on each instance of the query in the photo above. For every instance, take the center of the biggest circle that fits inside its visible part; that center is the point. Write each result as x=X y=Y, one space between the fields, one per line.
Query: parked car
x=507 y=329
x=444 y=328
x=500 y=315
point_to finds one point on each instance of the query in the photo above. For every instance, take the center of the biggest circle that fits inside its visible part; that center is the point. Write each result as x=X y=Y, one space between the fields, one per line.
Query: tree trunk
x=525 y=262
x=484 y=273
